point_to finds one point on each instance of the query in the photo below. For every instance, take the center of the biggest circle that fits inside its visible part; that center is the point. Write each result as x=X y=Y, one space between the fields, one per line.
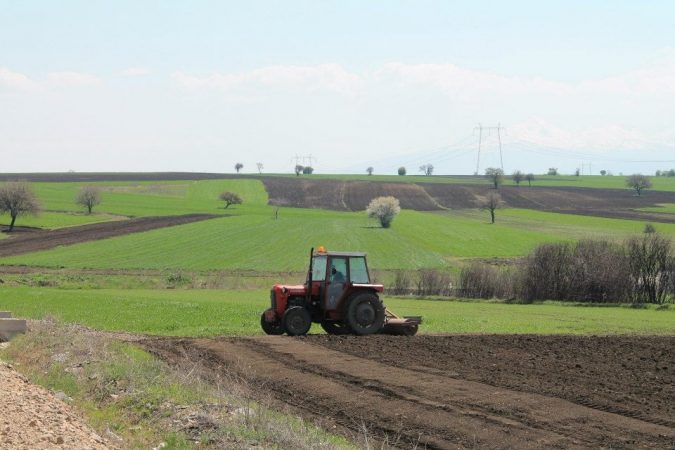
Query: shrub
x=383 y=209
x=401 y=171
x=401 y=284
x=479 y=280
x=594 y=271
x=651 y=268
x=649 y=228
x=433 y=282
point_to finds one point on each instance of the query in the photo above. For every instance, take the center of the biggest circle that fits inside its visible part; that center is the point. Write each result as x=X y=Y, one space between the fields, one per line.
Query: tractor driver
x=336 y=275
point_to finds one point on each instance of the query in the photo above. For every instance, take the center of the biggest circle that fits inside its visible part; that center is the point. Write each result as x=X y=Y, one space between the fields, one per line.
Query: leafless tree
x=238 y=167
x=298 y=169
x=529 y=178
x=517 y=177
x=260 y=167
x=89 y=196
x=638 y=182
x=427 y=169
x=651 y=264
x=495 y=175
x=230 y=198
x=370 y=170
x=492 y=202
x=384 y=209
x=17 y=199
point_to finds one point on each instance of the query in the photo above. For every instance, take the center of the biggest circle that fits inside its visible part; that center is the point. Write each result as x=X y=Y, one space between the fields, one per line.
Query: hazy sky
x=200 y=85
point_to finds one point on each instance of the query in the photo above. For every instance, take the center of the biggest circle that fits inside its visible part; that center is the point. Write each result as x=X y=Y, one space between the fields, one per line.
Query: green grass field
x=237 y=312
x=252 y=240
x=134 y=199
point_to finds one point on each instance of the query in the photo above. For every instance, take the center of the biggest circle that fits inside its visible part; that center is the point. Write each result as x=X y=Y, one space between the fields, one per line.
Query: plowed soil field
x=355 y=196
x=443 y=392
x=36 y=240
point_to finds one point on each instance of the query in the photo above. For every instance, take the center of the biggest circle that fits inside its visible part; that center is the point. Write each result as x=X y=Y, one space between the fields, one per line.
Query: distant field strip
x=237 y=312
x=41 y=240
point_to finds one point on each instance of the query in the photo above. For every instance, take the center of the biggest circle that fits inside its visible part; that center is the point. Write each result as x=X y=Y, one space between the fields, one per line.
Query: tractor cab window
x=319 y=268
x=338 y=269
x=358 y=270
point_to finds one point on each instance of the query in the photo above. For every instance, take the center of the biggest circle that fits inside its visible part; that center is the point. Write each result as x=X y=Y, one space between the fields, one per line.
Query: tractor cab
x=334 y=275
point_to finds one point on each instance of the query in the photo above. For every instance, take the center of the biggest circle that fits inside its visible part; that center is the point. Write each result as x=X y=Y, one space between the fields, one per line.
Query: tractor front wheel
x=273 y=328
x=296 y=321
x=365 y=314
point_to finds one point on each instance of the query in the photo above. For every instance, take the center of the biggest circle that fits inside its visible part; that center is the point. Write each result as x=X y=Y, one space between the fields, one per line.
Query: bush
x=651 y=268
x=480 y=280
x=588 y=271
x=383 y=209
x=401 y=171
x=433 y=282
x=402 y=283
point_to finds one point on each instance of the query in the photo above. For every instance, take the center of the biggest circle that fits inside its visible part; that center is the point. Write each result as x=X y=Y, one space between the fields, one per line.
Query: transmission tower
x=498 y=129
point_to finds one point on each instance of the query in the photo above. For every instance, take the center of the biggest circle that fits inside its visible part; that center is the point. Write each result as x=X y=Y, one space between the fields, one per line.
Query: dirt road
x=37 y=240
x=443 y=392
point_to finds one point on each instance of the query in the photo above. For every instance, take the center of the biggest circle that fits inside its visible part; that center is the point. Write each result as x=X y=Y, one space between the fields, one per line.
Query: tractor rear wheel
x=335 y=328
x=296 y=321
x=365 y=314
x=273 y=328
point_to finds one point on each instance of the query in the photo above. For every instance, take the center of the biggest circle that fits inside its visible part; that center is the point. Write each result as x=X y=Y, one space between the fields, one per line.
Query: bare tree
x=427 y=169
x=651 y=264
x=384 y=209
x=17 y=199
x=517 y=177
x=370 y=170
x=260 y=167
x=638 y=182
x=230 y=198
x=492 y=202
x=238 y=167
x=529 y=178
x=495 y=175
x=298 y=169
x=89 y=196
x=402 y=171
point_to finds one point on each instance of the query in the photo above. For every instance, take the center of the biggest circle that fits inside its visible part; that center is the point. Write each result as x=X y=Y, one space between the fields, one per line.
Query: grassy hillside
x=212 y=313
x=150 y=198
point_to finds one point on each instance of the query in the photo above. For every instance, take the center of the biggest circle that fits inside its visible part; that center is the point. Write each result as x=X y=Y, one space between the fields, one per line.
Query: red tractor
x=338 y=295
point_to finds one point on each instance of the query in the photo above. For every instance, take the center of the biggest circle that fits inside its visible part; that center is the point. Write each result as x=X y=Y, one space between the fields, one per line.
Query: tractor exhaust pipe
x=308 y=295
